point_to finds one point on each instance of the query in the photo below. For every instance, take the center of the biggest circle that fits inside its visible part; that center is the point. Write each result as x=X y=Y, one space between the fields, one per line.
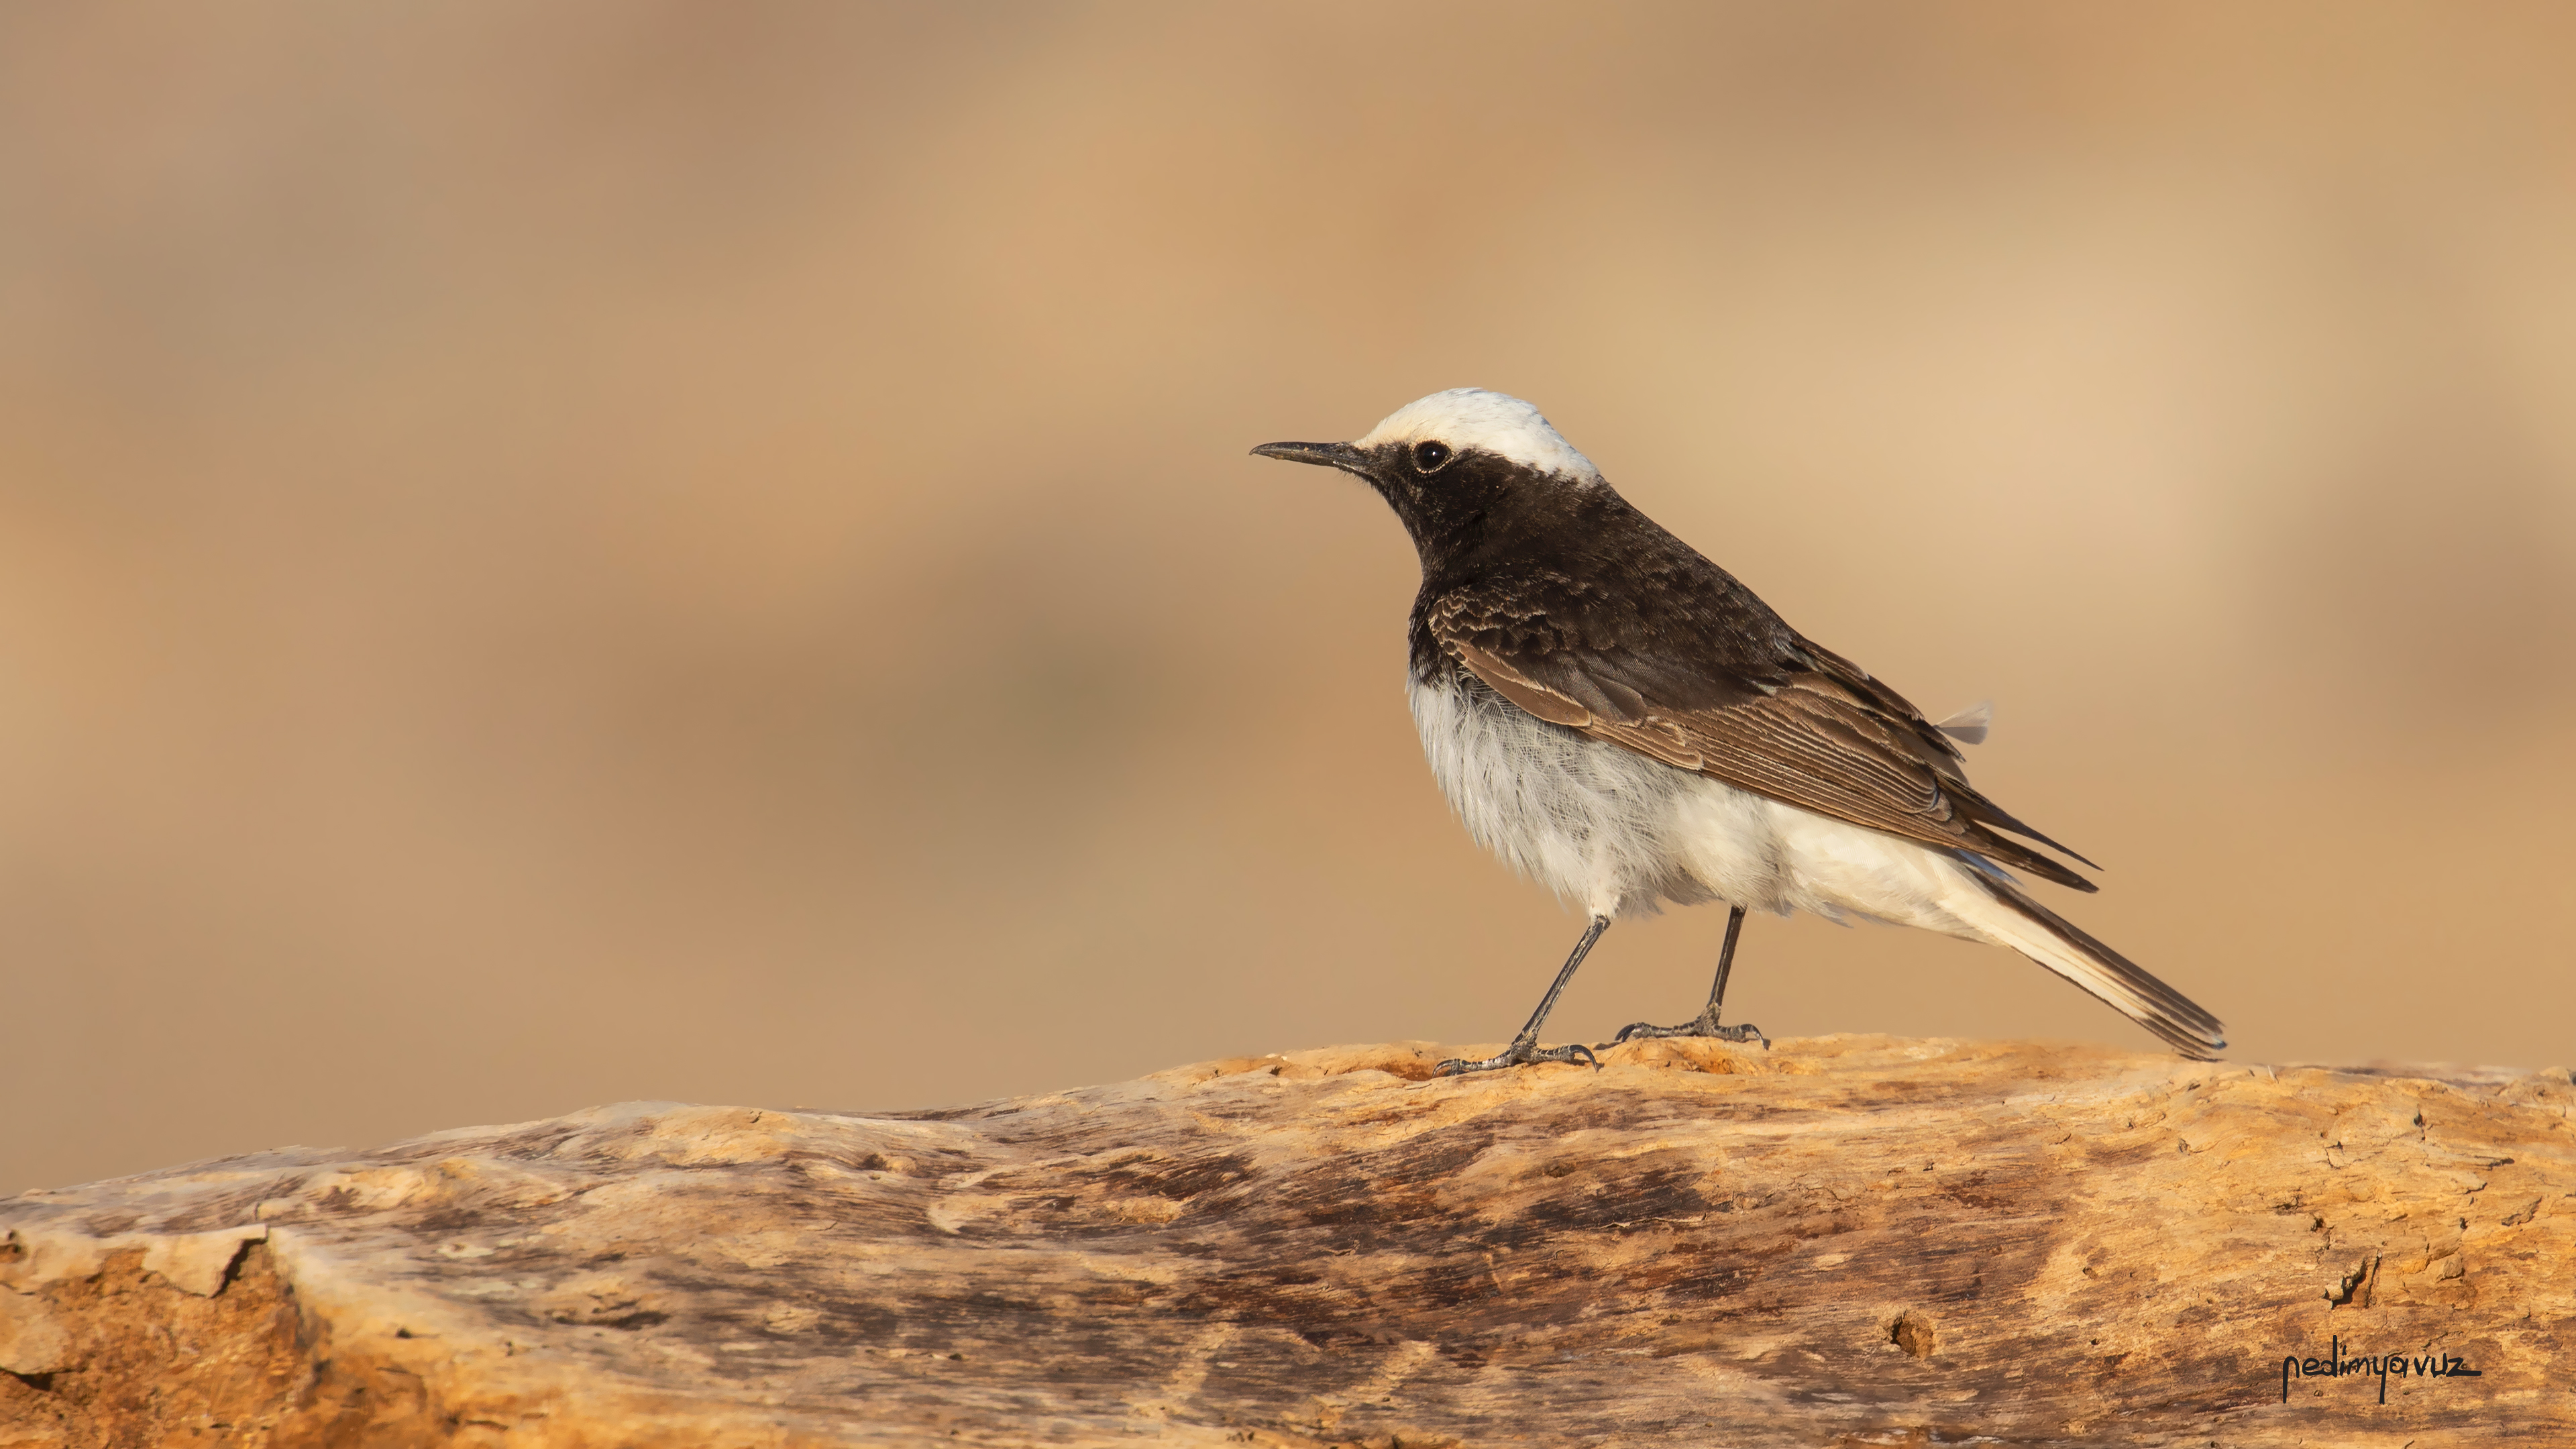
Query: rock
x=1845 y=1240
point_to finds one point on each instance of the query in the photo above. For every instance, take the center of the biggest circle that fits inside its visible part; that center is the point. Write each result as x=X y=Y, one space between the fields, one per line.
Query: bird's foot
x=1520 y=1053
x=1706 y=1026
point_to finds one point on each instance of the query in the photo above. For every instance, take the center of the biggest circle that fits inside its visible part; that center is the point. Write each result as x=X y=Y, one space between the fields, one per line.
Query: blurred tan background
x=551 y=554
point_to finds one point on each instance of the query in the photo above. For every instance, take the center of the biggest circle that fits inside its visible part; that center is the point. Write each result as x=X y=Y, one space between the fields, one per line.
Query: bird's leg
x=1525 y=1048
x=1706 y=1025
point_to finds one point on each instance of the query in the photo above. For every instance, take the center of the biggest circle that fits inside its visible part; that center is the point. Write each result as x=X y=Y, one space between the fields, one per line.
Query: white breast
x=1613 y=832
x=1590 y=821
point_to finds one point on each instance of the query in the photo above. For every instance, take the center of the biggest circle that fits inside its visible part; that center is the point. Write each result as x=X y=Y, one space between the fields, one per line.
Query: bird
x=1623 y=721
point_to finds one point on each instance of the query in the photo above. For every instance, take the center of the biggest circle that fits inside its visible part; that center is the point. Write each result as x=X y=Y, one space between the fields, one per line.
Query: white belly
x=1615 y=833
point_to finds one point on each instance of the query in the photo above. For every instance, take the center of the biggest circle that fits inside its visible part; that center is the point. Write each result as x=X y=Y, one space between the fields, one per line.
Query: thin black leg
x=1706 y=1024
x=1525 y=1048
x=1725 y=961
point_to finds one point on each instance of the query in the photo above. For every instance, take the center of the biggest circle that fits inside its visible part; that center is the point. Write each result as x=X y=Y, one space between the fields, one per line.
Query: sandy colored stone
x=1846 y=1240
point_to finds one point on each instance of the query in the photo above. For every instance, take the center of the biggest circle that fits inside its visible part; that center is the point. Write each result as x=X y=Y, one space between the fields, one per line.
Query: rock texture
x=1844 y=1240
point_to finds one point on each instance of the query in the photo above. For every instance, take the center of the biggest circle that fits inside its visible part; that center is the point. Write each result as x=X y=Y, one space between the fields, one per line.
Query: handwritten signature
x=2337 y=1365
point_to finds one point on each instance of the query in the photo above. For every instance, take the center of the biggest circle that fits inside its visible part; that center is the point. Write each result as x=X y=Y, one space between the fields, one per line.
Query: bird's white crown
x=1492 y=422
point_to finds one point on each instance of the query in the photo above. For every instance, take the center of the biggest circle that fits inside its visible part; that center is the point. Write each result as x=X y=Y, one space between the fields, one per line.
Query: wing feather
x=1818 y=733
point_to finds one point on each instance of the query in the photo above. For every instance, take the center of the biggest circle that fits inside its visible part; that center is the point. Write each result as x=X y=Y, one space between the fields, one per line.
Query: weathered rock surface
x=1849 y=1239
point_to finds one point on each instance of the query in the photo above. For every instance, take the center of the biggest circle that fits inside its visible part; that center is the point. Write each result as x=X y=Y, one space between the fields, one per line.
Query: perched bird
x=1617 y=717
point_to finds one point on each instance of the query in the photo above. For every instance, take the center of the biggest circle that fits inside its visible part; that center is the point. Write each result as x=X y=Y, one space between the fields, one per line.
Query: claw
x=1704 y=1027
x=1516 y=1055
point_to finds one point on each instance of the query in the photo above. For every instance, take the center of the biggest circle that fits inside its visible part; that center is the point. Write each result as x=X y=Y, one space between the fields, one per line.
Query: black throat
x=1556 y=564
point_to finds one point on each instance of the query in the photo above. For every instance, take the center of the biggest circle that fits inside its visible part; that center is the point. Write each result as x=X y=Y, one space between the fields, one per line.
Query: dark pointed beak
x=1329 y=455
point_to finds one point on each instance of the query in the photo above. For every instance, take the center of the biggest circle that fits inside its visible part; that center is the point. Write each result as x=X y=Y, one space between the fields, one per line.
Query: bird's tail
x=1999 y=911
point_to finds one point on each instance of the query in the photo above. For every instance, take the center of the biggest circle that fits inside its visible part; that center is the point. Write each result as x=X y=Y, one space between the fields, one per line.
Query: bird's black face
x=1444 y=493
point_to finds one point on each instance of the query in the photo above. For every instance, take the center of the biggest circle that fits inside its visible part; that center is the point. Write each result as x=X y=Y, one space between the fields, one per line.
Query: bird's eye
x=1430 y=457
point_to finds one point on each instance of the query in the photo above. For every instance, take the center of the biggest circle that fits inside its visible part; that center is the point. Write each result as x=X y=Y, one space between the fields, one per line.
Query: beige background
x=554 y=554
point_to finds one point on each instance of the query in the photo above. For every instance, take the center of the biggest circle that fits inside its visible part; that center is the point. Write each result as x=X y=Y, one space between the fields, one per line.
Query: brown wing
x=1810 y=728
